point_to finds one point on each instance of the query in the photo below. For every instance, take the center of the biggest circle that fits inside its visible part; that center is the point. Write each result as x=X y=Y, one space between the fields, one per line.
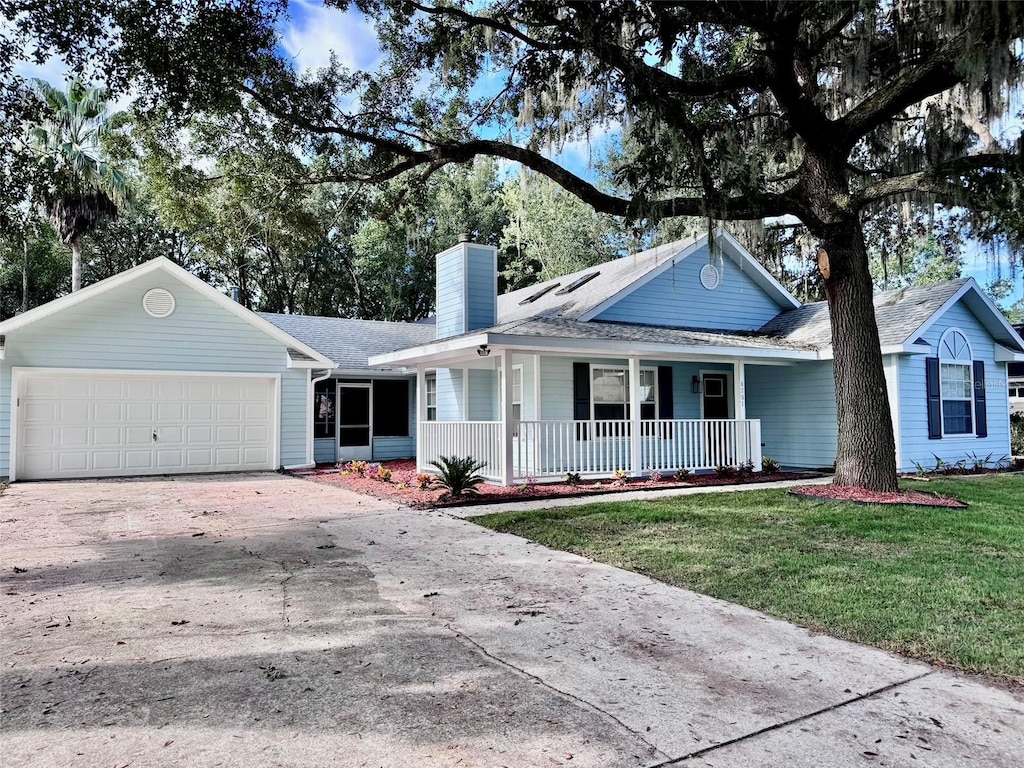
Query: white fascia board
x=620 y=348
x=761 y=276
x=419 y=354
x=64 y=302
x=1006 y=355
x=989 y=309
x=465 y=348
x=316 y=365
x=827 y=353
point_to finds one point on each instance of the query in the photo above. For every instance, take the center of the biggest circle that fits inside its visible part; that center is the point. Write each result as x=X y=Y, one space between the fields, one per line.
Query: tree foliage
x=826 y=112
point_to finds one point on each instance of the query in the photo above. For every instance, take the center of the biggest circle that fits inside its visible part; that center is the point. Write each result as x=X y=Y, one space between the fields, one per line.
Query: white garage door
x=98 y=424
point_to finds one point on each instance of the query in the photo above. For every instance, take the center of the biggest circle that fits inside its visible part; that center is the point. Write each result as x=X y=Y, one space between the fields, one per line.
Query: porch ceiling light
x=696 y=385
x=483 y=350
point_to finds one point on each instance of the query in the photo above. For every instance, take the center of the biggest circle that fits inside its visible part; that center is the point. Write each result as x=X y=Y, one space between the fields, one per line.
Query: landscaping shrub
x=573 y=479
x=459 y=474
x=770 y=465
x=725 y=471
x=1017 y=434
x=681 y=475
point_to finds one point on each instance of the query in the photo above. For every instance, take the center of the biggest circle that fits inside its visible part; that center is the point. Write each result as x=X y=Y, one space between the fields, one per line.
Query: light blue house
x=684 y=357
x=153 y=372
x=675 y=357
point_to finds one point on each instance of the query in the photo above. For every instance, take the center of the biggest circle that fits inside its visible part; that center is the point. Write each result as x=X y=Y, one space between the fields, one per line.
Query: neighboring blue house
x=680 y=357
x=675 y=357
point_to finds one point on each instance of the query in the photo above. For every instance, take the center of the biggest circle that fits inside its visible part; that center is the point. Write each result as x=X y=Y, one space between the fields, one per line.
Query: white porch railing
x=479 y=439
x=551 y=449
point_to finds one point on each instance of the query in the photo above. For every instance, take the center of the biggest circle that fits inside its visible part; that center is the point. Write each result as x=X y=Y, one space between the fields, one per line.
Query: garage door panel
x=170 y=411
x=106 y=461
x=108 y=411
x=73 y=461
x=75 y=411
x=73 y=437
x=43 y=412
x=136 y=411
x=140 y=389
x=123 y=424
x=199 y=411
x=138 y=460
x=107 y=436
x=108 y=389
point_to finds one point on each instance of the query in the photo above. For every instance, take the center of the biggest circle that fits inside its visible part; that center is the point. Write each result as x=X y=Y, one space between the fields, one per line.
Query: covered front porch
x=539 y=408
x=546 y=450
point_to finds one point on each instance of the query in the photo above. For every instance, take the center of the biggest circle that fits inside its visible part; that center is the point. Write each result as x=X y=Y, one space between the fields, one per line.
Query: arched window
x=956 y=384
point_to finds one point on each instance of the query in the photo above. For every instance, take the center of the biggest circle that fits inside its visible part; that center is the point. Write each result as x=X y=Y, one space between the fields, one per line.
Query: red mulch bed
x=864 y=496
x=403 y=471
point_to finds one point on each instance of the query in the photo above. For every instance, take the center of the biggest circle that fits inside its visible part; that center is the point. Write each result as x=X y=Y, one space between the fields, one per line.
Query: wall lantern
x=696 y=385
x=483 y=350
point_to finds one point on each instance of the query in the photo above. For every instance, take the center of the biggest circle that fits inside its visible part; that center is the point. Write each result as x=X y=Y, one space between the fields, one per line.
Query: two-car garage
x=151 y=372
x=73 y=424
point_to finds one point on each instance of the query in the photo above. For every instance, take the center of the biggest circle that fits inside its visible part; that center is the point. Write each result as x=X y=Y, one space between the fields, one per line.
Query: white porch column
x=421 y=412
x=506 y=417
x=739 y=383
x=635 y=468
x=739 y=397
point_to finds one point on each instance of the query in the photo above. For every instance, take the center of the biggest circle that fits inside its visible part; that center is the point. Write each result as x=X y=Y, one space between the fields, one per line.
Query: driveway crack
x=581 y=701
x=785 y=723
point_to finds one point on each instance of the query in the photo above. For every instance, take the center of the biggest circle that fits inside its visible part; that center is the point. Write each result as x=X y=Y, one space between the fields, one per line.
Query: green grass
x=942 y=585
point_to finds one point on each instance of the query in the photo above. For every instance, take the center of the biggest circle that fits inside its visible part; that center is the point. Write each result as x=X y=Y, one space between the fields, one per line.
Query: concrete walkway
x=525 y=503
x=270 y=621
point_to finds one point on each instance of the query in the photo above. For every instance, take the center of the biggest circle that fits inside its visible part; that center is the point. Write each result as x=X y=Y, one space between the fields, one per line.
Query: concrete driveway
x=267 y=621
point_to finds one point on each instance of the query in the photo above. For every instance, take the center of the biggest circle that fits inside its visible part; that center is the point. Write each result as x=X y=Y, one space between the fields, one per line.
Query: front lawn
x=942 y=585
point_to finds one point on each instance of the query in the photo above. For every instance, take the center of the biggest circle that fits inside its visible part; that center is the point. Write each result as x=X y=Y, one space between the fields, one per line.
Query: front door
x=716 y=396
x=354 y=422
x=717 y=445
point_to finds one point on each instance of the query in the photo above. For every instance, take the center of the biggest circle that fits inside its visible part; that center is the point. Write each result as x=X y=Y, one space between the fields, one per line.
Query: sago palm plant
x=459 y=475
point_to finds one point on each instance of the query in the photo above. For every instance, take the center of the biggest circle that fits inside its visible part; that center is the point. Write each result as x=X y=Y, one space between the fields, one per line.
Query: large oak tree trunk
x=866 y=455
x=76 y=264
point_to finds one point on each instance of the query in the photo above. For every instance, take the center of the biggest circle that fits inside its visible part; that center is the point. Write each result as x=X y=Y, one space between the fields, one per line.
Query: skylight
x=577 y=283
x=538 y=294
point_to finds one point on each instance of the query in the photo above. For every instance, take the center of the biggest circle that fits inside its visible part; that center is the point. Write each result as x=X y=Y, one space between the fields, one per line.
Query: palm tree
x=81 y=188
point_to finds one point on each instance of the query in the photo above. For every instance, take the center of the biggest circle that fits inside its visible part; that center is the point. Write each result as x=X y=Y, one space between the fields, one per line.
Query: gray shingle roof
x=899 y=313
x=561 y=328
x=350 y=342
x=614 y=276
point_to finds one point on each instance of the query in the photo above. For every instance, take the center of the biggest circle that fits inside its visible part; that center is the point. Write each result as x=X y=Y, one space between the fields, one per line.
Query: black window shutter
x=581 y=397
x=931 y=370
x=980 y=410
x=665 y=392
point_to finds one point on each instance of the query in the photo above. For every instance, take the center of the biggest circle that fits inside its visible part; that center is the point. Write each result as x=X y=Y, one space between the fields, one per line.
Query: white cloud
x=315 y=31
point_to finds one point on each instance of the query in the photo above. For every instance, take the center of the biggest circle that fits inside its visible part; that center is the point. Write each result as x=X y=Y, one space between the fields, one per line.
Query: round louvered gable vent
x=709 y=277
x=158 y=303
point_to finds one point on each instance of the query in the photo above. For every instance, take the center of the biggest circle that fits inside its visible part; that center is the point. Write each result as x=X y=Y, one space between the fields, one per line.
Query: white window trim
x=518 y=369
x=625 y=371
x=970 y=374
x=428 y=380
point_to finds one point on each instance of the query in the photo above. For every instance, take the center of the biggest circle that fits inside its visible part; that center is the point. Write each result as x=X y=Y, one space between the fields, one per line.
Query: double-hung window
x=956 y=384
x=610 y=393
x=430 y=396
